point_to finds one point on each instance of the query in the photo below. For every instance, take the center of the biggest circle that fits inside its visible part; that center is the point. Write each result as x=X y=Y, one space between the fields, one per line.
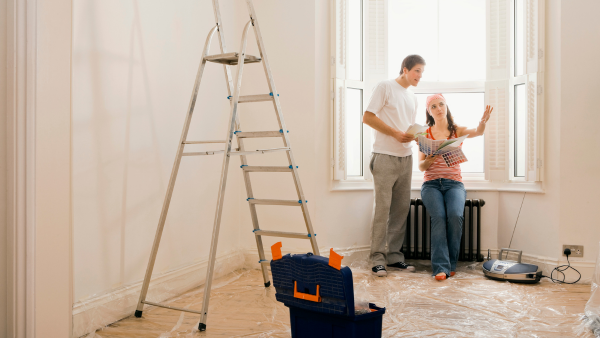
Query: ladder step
x=172 y=307
x=255 y=134
x=231 y=58
x=259 y=151
x=265 y=169
x=203 y=142
x=281 y=234
x=198 y=153
x=254 y=98
x=275 y=202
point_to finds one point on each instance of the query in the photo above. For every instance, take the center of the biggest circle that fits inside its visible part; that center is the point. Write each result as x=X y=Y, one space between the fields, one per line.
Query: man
x=392 y=109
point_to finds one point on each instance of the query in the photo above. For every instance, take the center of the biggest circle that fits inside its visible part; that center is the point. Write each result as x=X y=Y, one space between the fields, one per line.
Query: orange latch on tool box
x=313 y=298
x=276 y=251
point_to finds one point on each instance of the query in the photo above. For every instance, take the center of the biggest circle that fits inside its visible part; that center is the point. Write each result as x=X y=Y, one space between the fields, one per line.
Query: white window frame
x=498 y=88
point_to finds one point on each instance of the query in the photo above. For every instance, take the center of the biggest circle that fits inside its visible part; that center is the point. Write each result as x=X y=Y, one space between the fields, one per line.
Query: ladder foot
x=138 y=314
x=201 y=327
x=267 y=284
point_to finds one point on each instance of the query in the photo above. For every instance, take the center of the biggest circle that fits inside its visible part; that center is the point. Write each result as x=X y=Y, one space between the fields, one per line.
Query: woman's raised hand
x=486 y=114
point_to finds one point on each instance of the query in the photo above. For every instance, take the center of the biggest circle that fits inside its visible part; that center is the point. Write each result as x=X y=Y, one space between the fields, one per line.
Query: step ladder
x=231 y=59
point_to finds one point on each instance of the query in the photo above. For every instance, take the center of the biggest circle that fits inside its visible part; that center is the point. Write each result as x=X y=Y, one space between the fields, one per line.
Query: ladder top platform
x=231 y=58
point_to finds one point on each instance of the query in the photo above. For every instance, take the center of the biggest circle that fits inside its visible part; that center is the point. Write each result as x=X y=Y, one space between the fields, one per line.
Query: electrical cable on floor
x=561 y=269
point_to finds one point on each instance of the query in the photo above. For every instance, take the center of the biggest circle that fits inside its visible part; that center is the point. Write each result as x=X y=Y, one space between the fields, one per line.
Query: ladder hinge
x=539 y=163
x=333 y=60
x=540 y=53
x=540 y=90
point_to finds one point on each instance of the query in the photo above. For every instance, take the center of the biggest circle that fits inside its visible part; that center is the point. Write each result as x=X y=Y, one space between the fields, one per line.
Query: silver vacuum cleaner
x=511 y=271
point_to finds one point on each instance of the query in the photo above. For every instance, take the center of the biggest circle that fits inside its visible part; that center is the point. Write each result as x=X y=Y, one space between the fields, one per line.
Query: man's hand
x=403 y=137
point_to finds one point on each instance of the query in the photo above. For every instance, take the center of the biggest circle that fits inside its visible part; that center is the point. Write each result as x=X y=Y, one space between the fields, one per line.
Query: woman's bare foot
x=440 y=276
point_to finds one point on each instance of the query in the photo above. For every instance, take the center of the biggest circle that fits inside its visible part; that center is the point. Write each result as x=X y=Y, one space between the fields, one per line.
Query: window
x=477 y=53
x=451 y=39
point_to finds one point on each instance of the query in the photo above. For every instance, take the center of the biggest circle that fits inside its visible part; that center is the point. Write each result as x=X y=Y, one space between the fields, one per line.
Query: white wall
x=3 y=172
x=580 y=165
x=52 y=182
x=134 y=65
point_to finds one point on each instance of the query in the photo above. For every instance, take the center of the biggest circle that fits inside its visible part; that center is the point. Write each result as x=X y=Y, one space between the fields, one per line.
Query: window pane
x=354 y=132
x=519 y=37
x=462 y=40
x=467 y=109
x=449 y=34
x=520 y=131
x=413 y=29
x=354 y=40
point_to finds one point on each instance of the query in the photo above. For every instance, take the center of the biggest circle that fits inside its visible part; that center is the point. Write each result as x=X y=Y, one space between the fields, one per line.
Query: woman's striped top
x=439 y=169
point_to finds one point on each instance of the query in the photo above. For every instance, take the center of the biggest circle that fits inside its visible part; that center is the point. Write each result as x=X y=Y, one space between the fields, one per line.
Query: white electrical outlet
x=576 y=250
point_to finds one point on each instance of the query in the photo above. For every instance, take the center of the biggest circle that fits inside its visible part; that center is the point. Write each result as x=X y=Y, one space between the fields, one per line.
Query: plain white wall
x=134 y=65
x=52 y=182
x=3 y=171
x=579 y=144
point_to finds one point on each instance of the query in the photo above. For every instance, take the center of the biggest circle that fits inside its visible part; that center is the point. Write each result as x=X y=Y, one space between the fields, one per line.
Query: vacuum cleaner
x=511 y=271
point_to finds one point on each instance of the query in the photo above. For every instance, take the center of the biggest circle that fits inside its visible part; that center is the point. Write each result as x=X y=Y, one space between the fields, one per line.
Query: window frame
x=505 y=79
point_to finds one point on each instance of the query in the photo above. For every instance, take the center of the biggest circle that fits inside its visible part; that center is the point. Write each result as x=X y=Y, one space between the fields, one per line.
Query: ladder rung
x=265 y=262
x=281 y=234
x=203 y=142
x=254 y=134
x=259 y=151
x=231 y=58
x=255 y=98
x=265 y=169
x=172 y=307
x=198 y=153
x=275 y=202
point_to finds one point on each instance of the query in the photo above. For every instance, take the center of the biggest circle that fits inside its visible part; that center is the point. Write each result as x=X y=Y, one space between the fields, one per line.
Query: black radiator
x=417 y=242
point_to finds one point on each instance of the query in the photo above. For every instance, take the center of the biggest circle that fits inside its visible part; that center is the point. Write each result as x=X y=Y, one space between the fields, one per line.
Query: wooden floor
x=467 y=305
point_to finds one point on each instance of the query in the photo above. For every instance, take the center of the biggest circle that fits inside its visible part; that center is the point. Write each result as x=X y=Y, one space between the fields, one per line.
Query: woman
x=443 y=192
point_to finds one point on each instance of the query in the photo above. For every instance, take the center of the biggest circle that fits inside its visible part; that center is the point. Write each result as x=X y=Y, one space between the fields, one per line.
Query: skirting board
x=586 y=268
x=97 y=312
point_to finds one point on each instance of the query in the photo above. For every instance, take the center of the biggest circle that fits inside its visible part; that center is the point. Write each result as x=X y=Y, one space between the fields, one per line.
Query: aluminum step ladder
x=230 y=59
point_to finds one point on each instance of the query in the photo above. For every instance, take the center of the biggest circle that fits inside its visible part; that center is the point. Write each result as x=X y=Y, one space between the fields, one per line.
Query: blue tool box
x=321 y=299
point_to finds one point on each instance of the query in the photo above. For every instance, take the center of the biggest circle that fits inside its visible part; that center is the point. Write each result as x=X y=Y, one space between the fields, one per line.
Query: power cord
x=561 y=269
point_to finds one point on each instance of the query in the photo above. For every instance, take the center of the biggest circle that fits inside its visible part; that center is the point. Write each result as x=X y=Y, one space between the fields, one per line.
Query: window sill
x=471 y=184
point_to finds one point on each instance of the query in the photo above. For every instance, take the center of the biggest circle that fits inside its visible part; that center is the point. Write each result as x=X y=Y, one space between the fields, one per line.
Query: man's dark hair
x=410 y=61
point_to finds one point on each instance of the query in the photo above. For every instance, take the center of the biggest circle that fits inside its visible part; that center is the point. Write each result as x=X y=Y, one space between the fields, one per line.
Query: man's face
x=414 y=75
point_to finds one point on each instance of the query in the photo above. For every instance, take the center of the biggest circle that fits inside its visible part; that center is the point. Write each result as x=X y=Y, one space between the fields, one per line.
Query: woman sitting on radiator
x=443 y=192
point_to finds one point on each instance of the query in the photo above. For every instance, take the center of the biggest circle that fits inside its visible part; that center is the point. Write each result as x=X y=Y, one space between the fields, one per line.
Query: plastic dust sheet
x=466 y=305
x=591 y=319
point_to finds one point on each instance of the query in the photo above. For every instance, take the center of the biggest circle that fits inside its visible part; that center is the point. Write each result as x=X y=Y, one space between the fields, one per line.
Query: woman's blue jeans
x=445 y=203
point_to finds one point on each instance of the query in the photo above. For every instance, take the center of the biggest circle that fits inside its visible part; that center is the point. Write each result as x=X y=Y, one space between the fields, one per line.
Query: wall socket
x=576 y=250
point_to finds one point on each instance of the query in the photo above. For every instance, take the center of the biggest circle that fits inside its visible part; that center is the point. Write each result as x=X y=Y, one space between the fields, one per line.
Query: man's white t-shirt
x=396 y=106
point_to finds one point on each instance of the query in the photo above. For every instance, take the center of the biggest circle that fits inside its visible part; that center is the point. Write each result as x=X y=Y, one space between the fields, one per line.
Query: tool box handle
x=520 y=252
x=313 y=298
